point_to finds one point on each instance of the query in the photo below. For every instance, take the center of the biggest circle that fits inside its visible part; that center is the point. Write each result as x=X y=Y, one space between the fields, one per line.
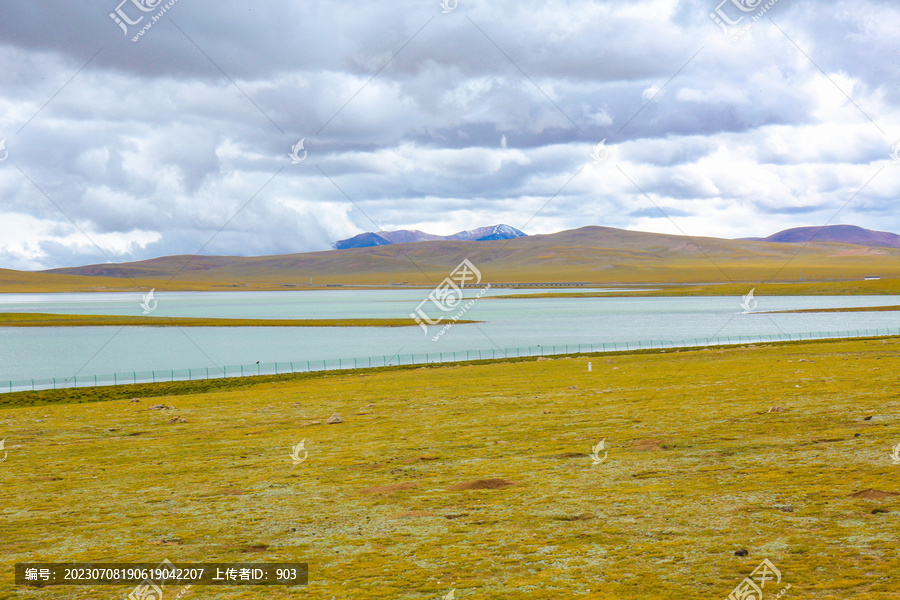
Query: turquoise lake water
x=27 y=353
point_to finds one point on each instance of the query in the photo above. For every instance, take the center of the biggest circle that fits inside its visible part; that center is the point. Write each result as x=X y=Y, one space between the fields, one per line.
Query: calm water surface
x=62 y=352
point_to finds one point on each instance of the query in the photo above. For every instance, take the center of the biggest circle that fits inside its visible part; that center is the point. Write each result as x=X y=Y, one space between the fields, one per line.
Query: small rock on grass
x=333 y=419
x=741 y=552
x=176 y=420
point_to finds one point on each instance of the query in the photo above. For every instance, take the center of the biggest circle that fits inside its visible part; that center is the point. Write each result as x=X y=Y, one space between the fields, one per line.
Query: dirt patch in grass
x=870 y=494
x=483 y=484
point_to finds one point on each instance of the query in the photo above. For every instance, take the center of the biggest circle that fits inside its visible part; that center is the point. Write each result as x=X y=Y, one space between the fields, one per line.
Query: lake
x=35 y=353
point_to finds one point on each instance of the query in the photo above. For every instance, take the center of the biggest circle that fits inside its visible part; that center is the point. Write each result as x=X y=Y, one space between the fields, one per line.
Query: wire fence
x=336 y=364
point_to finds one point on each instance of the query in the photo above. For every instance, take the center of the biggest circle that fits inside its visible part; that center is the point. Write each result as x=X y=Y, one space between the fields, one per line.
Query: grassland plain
x=697 y=469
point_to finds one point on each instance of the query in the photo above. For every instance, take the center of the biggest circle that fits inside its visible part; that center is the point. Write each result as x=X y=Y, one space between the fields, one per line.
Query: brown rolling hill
x=845 y=234
x=588 y=254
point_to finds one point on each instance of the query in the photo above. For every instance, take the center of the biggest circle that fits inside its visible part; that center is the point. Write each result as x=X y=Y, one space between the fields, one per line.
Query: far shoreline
x=64 y=320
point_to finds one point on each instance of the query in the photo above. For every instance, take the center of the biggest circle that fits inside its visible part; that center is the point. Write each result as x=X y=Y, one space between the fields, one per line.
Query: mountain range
x=588 y=254
x=844 y=234
x=406 y=236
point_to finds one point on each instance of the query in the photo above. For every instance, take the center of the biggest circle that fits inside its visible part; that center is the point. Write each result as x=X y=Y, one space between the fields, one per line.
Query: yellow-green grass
x=116 y=481
x=58 y=320
x=883 y=287
x=828 y=310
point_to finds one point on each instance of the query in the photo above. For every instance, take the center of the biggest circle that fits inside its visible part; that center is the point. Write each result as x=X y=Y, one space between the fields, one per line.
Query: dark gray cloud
x=434 y=121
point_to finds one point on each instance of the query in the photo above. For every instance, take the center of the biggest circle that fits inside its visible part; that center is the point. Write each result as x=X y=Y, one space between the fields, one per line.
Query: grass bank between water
x=828 y=288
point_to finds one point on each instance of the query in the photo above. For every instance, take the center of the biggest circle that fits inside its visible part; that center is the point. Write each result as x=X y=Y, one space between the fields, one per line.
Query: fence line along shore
x=424 y=358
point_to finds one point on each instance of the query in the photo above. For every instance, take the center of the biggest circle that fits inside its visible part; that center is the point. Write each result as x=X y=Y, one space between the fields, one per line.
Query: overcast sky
x=418 y=116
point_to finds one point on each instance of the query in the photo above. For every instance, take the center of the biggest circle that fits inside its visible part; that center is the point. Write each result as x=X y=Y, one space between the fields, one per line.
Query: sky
x=232 y=128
